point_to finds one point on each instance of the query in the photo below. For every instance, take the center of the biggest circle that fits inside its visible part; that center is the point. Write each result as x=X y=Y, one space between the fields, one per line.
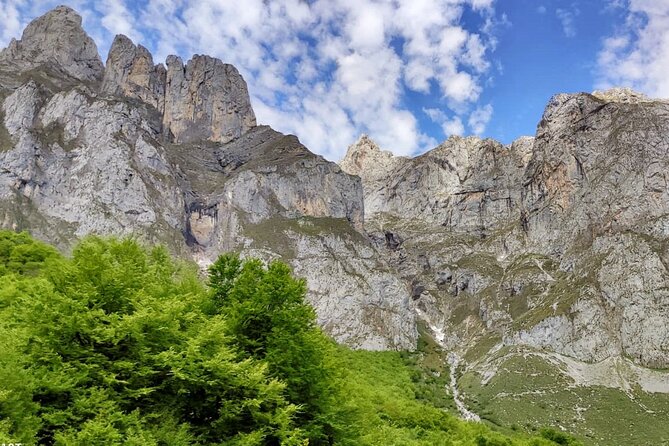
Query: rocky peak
x=130 y=72
x=205 y=99
x=621 y=94
x=57 y=39
x=366 y=159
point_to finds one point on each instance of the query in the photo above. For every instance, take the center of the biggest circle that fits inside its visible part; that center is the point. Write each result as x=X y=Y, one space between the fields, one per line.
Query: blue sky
x=409 y=73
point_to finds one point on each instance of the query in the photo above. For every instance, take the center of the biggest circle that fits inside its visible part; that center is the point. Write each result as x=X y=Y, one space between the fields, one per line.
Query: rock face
x=202 y=100
x=205 y=99
x=175 y=157
x=556 y=242
x=130 y=72
x=58 y=41
x=464 y=184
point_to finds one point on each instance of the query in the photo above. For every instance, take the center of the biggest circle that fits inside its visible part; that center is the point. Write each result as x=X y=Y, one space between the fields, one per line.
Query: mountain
x=546 y=256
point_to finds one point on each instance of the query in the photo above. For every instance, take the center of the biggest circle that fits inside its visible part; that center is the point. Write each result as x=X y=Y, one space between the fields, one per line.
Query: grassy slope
x=529 y=392
x=394 y=405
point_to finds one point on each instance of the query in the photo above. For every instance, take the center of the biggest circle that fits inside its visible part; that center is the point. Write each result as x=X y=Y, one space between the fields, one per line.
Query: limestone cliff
x=56 y=41
x=556 y=243
x=174 y=156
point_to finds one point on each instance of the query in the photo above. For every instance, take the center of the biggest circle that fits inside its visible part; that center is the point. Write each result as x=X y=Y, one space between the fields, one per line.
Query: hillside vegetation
x=122 y=345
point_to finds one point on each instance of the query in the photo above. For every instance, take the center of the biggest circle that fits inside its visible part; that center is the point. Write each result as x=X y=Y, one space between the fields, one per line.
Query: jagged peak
x=622 y=94
x=365 y=154
x=203 y=99
x=56 y=37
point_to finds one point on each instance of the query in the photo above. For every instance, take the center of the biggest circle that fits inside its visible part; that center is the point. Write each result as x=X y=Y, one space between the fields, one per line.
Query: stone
x=130 y=72
x=205 y=100
x=56 y=40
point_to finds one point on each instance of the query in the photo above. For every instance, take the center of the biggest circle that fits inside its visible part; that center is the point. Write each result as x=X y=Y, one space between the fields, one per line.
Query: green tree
x=269 y=320
x=114 y=346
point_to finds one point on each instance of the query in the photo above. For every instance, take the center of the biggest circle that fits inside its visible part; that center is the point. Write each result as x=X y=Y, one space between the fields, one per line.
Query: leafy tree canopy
x=120 y=345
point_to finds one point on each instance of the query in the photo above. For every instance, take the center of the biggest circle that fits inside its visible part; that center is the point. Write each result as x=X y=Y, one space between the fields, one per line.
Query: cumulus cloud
x=637 y=56
x=450 y=126
x=325 y=70
x=117 y=19
x=453 y=126
x=11 y=20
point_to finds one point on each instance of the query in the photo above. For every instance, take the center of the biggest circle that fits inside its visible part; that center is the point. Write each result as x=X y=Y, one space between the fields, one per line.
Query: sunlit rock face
x=173 y=155
x=556 y=242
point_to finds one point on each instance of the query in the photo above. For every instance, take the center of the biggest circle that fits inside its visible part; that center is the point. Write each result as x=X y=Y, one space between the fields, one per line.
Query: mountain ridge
x=523 y=244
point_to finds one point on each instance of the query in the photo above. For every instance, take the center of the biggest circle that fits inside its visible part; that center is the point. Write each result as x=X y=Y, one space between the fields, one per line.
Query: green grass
x=528 y=392
x=274 y=233
x=392 y=411
x=482 y=346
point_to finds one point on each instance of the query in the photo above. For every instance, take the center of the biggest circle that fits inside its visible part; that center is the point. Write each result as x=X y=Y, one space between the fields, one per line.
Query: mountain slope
x=175 y=156
x=552 y=249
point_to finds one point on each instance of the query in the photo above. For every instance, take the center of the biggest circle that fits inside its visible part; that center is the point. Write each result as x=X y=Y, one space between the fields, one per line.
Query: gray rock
x=58 y=41
x=130 y=72
x=205 y=100
x=557 y=242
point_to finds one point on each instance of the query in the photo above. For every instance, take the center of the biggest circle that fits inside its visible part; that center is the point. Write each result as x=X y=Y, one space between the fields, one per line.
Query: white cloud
x=325 y=70
x=541 y=9
x=453 y=126
x=10 y=17
x=479 y=118
x=117 y=19
x=450 y=126
x=637 y=56
x=567 y=19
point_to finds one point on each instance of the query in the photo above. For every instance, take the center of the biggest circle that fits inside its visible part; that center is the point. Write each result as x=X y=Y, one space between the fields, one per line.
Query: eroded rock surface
x=205 y=99
x=174 y=156
x=557 y=242
x=130 y=72
x=55 y=41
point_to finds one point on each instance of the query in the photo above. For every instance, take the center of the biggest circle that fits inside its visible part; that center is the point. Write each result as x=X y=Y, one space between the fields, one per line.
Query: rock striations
x=202 y=100
x=130 y=72
x=556 y=242
x=55 y=41
x=174 y=155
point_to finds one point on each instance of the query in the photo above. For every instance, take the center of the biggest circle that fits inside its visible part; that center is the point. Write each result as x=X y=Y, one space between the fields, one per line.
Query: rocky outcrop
x=58 y=42
x=205 y=99
x=464 y=184
x=202 y=100
x=130 y=72
x=557 y=242
x=598 y=167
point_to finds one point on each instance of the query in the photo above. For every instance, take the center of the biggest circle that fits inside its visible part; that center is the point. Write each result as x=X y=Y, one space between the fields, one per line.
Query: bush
x=114 y=347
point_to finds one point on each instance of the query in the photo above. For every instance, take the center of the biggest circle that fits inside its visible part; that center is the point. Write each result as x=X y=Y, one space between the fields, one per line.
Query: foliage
x=113 y=347
x=119 y=345
x=558 y=437
x=270 y=321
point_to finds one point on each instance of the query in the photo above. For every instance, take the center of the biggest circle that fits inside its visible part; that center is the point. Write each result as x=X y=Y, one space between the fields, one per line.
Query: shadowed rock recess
x=554 y=244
